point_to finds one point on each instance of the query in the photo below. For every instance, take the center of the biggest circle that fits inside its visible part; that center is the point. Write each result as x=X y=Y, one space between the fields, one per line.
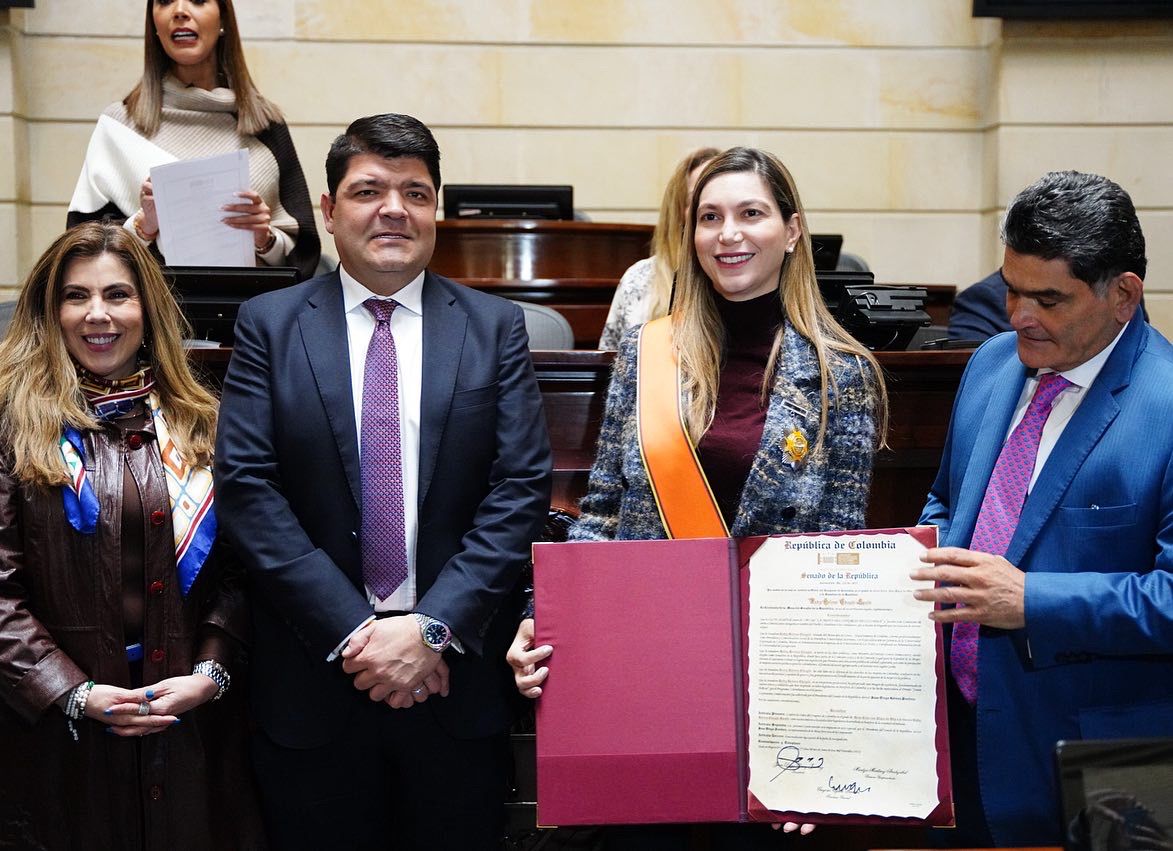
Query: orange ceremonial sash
x=682 y=493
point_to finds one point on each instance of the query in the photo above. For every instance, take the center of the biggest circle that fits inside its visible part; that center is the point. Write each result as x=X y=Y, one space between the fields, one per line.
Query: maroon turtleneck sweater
x=728 y=448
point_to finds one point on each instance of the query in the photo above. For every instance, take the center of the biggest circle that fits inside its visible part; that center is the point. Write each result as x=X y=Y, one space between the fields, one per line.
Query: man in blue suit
x=1055 y=507
x=382 y=467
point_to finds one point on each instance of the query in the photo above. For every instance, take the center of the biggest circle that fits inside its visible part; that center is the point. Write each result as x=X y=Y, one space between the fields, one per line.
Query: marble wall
x=908 y=124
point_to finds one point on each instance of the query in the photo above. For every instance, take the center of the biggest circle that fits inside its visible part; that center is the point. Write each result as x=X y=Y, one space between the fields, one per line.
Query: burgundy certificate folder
x=644 y=718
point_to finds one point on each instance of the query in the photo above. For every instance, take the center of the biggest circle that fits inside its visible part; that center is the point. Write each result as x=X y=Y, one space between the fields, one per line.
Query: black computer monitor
x=211 y=295
x=484 y=201
x=825 y=248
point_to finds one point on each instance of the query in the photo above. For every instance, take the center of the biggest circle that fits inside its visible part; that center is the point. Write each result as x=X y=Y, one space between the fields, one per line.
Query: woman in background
x=645 y=289
x=783 y=407
x=120 y=629
x=197 y=99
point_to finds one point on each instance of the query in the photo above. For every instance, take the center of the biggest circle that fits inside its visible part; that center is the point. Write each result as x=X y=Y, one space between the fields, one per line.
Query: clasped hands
x=393 y=665
x=121 y=709
x=991 y=590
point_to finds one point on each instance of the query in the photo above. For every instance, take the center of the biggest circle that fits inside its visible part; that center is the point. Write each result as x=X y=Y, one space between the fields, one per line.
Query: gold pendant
x=796 y=445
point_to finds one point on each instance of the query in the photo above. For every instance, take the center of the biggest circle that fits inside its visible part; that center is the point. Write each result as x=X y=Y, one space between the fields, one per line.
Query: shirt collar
x=1087 y=372
x=354 y=293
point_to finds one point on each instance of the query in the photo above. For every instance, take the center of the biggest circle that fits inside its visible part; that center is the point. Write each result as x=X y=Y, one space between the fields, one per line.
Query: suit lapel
x=444 y=329
x=1083 y=431
x=991 y=434
x=323 y=332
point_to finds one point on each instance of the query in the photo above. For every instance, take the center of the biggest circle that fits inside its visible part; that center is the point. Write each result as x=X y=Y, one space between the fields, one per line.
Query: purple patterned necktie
x=998 y=517
x=384 y=552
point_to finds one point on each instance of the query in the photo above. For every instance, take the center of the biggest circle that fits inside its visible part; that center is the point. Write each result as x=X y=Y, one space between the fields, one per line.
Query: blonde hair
x=697 y=331
x=668 y=237
x=39 y=391
x=144 y=104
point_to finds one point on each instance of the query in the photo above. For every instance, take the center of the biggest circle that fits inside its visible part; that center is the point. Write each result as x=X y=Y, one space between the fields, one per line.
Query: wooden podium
x=572 y=267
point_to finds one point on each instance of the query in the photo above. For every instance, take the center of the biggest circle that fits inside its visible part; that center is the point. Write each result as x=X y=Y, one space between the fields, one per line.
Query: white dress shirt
x=1063 y=407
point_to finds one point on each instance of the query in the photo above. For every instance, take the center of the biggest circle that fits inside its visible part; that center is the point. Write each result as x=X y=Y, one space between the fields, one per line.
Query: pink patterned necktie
x=384 y=551
x=998 y=517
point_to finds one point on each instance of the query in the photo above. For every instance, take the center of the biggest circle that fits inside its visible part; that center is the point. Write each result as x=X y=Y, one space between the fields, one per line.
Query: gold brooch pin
x=796 y=445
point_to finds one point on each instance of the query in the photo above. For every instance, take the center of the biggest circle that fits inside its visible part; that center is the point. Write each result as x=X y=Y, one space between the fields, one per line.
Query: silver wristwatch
x=435 y=634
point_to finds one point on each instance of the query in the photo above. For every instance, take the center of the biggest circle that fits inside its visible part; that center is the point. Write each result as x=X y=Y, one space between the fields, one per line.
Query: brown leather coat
x=61 y=624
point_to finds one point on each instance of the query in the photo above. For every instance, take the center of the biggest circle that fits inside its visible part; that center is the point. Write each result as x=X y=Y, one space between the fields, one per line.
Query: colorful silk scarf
x=189 y=488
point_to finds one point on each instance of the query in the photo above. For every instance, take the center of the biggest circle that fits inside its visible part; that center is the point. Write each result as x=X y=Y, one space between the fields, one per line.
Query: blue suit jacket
x=1095 y=538
x=289 y=497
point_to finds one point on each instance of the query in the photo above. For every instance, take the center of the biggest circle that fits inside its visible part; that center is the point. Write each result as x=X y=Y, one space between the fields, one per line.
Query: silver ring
x=418 y=690
x=144 y=708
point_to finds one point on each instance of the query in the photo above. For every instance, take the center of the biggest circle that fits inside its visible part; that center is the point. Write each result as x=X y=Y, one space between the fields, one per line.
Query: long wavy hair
x=668 y=237
x=697 y=331
x=39 y=392
x=144 y=104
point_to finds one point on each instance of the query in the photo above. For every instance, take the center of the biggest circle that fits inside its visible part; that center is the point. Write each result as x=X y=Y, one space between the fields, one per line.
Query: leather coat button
x=158 y=655
x=156 y=588
x=158 y=516
x=134 y=441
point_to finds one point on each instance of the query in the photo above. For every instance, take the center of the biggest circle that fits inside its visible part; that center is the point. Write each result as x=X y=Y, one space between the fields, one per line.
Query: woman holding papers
x=645 y=289
x=196 y=99
x=118 y=627
x=748 y=410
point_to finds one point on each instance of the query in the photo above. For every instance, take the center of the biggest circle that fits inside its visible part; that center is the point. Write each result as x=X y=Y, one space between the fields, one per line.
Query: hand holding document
x=189 y=197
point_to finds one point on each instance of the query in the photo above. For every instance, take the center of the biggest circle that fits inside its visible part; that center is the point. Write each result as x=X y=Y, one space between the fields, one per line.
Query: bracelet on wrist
x=269 y=243
x=138 y=228
x=75 y=705
x=215 y=672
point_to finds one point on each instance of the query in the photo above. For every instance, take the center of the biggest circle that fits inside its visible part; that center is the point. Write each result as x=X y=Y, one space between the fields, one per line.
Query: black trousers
x=392 y=779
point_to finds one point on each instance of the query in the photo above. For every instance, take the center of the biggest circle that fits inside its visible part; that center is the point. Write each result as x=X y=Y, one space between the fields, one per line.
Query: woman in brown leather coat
x=119 y=627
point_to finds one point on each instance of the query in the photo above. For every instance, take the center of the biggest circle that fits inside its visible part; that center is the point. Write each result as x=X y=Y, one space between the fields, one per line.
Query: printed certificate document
x=842 y=677
x=787 y=678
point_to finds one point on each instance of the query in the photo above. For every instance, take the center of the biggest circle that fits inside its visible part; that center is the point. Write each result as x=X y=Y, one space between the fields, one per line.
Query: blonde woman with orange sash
x=748 y=410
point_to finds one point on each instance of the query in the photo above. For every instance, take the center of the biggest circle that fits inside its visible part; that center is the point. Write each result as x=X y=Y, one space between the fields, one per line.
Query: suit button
x=156 y=793
x=158 y=516
x=156 y=588
x=134 y=441
x=158 y=655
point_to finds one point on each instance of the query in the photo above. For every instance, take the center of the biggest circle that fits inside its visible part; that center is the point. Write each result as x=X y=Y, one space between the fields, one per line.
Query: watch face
x=436 y=634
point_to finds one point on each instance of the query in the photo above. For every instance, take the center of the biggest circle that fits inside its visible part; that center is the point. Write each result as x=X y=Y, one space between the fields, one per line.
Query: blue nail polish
x=150 y=694
x=107 y=711
x=177 y=720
